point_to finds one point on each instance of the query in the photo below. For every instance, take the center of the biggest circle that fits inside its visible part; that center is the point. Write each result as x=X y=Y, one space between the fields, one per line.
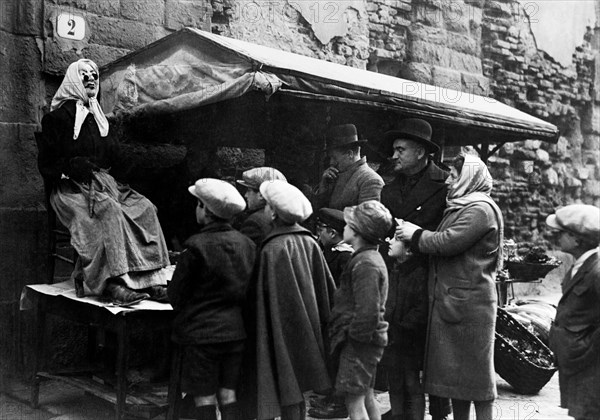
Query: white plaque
x=70 y=26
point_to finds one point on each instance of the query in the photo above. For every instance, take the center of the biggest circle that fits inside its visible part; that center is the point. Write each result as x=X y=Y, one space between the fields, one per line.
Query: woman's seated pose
x=114 y=229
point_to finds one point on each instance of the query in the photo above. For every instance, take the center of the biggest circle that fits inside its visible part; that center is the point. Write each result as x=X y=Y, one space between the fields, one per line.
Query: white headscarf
x=475 y=184
x=72 y=88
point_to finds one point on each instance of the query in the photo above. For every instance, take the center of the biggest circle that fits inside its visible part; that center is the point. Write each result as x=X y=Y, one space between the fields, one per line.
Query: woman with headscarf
x=114 y=230
x=465 y=255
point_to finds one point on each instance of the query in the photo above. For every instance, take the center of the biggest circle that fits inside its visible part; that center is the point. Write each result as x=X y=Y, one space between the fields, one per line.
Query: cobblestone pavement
x=59 y=401
x=63 y=402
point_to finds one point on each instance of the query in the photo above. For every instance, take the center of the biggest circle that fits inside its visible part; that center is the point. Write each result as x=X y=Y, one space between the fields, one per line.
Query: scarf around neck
x=71 y=89
x=474 y=184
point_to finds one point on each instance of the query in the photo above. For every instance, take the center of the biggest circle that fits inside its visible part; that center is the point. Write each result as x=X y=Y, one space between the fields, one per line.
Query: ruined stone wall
x=483 y=47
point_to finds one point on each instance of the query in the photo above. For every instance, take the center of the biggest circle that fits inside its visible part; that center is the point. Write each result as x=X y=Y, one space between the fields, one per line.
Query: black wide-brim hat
x=342 y=136
x=414 y=129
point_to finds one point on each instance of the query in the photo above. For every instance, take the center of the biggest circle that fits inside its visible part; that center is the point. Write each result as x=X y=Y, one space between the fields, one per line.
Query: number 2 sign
x=70 y=26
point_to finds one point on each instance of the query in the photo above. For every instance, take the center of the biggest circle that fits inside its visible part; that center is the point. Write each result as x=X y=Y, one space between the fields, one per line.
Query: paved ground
x=63 y=402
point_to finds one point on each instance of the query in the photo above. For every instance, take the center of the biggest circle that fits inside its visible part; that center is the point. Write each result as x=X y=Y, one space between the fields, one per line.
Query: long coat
x=459 y=356
x=406 y=308
x=294 y=295
x=575 y=340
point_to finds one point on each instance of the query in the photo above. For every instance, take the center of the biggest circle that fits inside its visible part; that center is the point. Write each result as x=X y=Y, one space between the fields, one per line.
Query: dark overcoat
x=256 y=226
x=575 y=340
x=209 y=286
x=294 y=293
x=459 y=357
x=406 y=308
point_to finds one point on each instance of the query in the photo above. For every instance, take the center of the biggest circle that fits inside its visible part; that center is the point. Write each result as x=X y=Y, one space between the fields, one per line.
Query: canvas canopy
x=193 y=68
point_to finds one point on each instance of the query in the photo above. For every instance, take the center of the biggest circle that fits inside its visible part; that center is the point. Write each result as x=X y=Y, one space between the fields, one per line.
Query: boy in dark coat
x=207 y=291
x=357 y=329
x=330 y=231
x=406 y=312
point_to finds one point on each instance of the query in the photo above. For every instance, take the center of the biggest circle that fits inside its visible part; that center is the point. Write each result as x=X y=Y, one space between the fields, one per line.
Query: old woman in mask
x=114 y=230
x=465 y=255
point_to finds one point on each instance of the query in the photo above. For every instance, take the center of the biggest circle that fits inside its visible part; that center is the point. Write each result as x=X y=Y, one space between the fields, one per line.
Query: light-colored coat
x=459 y=356
x=356 y=184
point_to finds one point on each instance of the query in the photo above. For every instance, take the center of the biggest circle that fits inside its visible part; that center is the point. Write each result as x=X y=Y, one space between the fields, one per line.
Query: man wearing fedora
x=575 y=333
x=417 y=193
x=349 y=180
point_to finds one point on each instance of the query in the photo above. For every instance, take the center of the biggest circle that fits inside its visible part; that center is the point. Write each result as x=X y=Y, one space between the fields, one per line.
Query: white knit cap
x=286 y=200
x=220 y=197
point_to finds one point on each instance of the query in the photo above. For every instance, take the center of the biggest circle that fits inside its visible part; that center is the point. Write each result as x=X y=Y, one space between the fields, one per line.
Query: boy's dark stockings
x=231 y=411
x=293 y=412
x=206 y=412
x=483 y=409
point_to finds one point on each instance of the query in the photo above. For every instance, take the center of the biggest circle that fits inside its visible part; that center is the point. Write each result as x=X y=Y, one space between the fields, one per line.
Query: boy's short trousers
x=207 y=367
x=358 y=364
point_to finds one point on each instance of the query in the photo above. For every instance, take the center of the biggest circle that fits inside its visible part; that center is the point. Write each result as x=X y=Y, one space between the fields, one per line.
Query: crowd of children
x=309 y=309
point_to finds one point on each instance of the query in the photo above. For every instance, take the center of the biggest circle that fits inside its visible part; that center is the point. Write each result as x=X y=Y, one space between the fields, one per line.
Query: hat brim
x=350 y=143
x=552 y=223
x=245 y=184
x=192 y=191
x=392 y=135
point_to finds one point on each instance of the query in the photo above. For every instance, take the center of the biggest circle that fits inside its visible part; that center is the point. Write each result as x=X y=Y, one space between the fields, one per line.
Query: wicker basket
x=525 y=271
x=525 y=376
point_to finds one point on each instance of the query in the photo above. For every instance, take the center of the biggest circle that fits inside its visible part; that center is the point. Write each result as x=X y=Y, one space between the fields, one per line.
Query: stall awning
x=191 y=68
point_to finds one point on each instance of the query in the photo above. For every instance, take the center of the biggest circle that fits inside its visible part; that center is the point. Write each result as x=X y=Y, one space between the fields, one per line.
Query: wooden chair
x=58 y=235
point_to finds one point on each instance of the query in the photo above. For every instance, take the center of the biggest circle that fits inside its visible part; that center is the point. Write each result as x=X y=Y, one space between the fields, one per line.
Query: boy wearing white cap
x=207 y=292
x=294 y=295
x=257 y=224
x=357 y=330
x=575 y=333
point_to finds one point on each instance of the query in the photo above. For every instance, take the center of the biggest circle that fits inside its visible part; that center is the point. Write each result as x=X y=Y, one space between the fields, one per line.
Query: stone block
x=475 y=84
x=122 y=33
x=532 y=144
x=56 y=60
x=590 y=119
x=418 y=72
x=194 y=13
x=456 y=17
x=104 y=7
x=542 y=157
x=582 y=173
x=21 y=185
x=446 y=78
x=420 y=32
x=148 y=11
x=22 y=17
x=499 y=9
x=550 y=177
x=592 y=188
x=463 y=43
x=425 y=52
x=21 y=87
x=572 y=182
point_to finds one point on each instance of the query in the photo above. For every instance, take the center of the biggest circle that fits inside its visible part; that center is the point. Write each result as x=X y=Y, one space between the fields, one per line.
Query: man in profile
x=348 y=180
x=417 y=193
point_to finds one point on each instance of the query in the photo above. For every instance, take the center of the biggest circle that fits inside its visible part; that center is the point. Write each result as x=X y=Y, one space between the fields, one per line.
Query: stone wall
x=484 y=47
x=32 y=62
